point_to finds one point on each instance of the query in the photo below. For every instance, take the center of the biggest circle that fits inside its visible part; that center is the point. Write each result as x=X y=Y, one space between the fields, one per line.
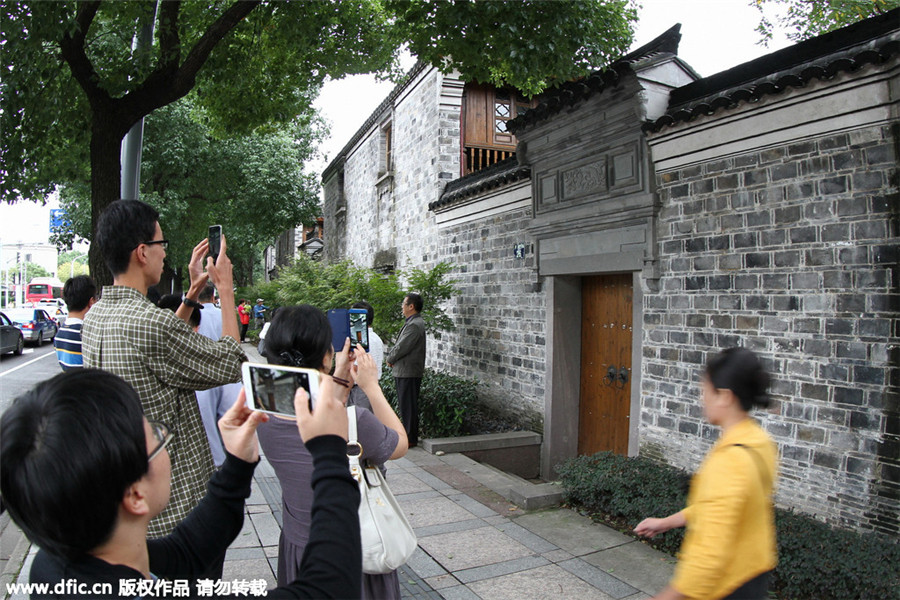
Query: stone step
x=521 y=492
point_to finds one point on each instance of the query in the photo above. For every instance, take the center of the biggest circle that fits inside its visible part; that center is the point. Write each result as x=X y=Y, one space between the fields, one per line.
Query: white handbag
x=388 y=540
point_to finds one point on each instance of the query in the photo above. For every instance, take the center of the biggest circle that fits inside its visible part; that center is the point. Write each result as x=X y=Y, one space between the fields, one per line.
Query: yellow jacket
x=730 y=536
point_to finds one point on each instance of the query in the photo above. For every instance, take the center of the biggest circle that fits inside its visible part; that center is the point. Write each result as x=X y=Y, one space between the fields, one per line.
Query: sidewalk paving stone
x=532 y=541
x=476 y=547
x=407 y=483
x=637 y=564
x=572 y=532
x=549 y=582
x=499 y=569
x=598 y=578
x=423 y=532
x=433 y=511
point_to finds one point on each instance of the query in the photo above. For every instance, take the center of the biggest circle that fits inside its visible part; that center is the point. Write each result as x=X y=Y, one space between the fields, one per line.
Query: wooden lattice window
x=486 y=136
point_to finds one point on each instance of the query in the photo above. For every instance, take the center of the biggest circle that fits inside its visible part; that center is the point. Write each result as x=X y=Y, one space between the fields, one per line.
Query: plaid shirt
x=165 y=361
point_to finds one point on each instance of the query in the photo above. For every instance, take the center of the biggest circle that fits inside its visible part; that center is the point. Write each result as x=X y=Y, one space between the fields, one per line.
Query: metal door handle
x=610 y=377
x=622 y=377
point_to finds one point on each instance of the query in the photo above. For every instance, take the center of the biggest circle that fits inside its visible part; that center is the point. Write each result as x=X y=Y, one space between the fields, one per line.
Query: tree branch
x=72 y=47
x=166 y=84
x=184 y=79
x=169 y=40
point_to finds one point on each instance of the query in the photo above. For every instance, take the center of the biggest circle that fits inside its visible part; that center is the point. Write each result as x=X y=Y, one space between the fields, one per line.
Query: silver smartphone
x=271 y=388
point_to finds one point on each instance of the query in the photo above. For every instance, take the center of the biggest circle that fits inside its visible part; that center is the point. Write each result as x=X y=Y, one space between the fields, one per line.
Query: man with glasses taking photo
x=155 y=351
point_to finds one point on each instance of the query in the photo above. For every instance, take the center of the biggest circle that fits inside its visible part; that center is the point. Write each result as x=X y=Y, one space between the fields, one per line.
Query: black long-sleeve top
x=331 y=565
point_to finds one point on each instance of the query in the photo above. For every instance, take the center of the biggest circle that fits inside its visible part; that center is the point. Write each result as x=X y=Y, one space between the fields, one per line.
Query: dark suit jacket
x=408 y=355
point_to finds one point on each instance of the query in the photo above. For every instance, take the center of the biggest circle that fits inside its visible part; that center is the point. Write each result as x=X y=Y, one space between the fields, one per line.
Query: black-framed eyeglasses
x=163 y=243
x=163 y=435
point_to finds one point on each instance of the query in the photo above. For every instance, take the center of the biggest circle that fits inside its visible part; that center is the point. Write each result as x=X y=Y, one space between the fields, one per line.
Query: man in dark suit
x=407 y=359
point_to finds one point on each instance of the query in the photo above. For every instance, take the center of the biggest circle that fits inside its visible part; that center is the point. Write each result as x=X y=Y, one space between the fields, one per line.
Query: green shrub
x=626 y=490
x=818 y=561
x=815 y=560
x=443 y=402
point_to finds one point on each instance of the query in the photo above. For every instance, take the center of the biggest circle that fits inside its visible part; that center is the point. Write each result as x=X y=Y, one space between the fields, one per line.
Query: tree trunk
x=106 y=177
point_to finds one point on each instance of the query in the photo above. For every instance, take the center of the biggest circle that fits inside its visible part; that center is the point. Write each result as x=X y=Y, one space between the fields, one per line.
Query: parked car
x=35 y=324
x=56 y=308
x=11 y=338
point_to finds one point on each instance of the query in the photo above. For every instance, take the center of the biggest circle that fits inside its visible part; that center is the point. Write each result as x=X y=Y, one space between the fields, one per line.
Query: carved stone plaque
x=584 y=180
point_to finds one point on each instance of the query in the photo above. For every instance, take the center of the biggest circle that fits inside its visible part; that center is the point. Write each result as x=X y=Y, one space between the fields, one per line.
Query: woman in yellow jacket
x=729 y=547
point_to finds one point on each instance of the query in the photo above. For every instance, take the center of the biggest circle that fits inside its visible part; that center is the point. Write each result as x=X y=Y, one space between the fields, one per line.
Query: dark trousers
x=408 y=399
x=244 y=331
x=755 y=589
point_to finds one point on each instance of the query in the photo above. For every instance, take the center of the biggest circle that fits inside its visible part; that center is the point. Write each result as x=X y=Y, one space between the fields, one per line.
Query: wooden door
x=606 y=331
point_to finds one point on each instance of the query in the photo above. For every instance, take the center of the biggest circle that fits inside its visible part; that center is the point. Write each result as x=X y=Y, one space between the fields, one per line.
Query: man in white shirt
x=214 y=402
x=211 y=321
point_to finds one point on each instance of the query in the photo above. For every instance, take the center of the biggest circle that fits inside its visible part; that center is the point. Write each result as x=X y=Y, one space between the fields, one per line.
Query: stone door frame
x=563 y=379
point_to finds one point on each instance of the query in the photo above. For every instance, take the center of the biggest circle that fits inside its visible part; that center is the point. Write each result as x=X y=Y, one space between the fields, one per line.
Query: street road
x=18 y=374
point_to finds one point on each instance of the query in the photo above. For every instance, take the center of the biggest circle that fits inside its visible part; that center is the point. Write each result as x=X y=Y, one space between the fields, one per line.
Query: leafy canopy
x=528 y=44
x=805 y=18
x=73 y=85
x=253 y=185
x=70 y=74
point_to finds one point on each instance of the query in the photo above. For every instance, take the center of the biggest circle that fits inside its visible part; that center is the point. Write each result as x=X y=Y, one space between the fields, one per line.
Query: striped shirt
x=68 y=345
x=166 y=362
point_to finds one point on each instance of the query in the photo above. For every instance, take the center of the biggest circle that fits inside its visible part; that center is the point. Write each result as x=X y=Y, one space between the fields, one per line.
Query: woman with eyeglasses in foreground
x=300 y=336
x=729 y=547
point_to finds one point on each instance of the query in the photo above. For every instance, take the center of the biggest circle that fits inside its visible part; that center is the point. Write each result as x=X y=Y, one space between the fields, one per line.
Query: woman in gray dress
x=301 y=336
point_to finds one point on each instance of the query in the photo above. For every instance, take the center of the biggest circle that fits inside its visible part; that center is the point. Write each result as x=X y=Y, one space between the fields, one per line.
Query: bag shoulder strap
x=351 y=425
x=353 y=458
x=763 y=472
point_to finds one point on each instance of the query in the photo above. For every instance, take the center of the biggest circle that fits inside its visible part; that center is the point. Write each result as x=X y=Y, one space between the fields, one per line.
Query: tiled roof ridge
x=499 y=174
x=844 y=50
x=415 y=70
x=571 y=92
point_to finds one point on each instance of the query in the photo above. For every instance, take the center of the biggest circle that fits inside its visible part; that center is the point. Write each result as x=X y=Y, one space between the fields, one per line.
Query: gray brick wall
x=792 y=252
x=500 y=316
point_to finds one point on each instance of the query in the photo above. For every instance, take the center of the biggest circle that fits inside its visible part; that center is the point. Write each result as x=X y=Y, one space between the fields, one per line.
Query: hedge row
x=815 y=561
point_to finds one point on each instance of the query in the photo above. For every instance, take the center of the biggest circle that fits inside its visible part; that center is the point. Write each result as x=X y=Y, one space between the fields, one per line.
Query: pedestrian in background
x=211 y=323
x=244 y=316
x=80 y=293
x=259 y=313
x=729 y=548
x=407 y=359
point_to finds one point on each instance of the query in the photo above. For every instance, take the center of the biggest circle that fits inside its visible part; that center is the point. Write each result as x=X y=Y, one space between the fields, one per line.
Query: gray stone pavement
x=473 y=542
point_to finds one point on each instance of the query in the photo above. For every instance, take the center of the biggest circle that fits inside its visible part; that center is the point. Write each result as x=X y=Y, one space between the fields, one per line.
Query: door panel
x=606 y=333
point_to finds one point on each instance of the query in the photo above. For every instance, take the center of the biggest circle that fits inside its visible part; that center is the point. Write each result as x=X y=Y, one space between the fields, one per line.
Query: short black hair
x=78 y=291
x=71 y=446
x=299 y=336
x=123 y=226
x=173 y=301
x=740 y=370
x=370 y=312
x=207 y=293
x=416 y=300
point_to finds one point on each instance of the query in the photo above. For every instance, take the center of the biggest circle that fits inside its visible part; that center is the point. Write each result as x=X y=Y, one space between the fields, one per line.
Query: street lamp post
x=72 y=265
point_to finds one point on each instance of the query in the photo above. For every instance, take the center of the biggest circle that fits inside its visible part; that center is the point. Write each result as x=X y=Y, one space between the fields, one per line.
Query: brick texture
x=799 y=264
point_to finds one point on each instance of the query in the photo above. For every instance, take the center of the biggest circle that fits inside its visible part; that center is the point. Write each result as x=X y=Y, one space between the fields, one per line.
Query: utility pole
x=131 y=144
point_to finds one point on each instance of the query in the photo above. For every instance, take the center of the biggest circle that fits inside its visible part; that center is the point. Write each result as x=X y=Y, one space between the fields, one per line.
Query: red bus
x=43 y=288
